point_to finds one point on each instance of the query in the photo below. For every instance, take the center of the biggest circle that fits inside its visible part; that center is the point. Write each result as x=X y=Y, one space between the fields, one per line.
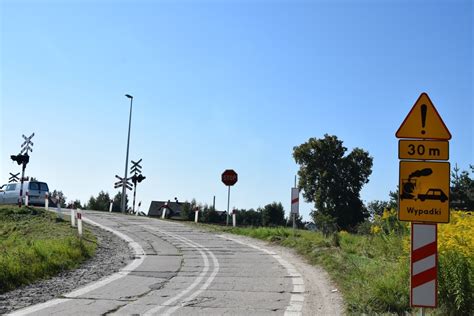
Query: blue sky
x=225 y=84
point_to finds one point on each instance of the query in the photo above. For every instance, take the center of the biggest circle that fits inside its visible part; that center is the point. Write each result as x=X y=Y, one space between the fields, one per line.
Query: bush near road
x=372 y=268
x=36 y=244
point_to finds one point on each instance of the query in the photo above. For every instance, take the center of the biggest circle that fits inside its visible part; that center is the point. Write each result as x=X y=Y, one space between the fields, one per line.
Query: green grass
x=36 y=244
x=371 y=271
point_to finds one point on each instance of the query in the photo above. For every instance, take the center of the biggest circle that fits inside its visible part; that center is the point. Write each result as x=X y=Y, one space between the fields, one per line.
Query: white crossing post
x=163 y=213
x=138 y=209
x=79 y=223
x=46 y=201
x=111 y=204
x=73 y=218
x=234 y=218
x=26 y=198
x=196 y=215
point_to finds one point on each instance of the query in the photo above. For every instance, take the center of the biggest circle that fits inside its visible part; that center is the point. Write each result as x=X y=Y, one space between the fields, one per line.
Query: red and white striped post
x=424 y=265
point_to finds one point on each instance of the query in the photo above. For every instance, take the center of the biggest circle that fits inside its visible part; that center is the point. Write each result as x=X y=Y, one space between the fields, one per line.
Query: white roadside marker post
x=196 y=215
x=46 y=201
x=138 y=209
x=73 y=218
x=79 y=223
x=234 y=218
x=164 y=208
x=110 y=206
x=26 y=198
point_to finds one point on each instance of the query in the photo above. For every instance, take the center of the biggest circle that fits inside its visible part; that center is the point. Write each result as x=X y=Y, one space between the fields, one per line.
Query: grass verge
x=36 y=244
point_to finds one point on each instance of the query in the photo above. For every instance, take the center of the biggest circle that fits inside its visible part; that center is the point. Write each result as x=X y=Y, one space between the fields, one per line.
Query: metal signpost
x=229 y=177
x=22 y=159
x=423 y=193
x=137 y=177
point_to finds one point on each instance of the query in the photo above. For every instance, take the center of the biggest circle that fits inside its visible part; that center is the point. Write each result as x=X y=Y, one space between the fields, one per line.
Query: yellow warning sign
x=424 y=191
x=423 y=121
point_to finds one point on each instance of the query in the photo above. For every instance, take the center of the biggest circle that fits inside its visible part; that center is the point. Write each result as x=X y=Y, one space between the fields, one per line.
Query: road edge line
x=295 y=306
x=139 y=258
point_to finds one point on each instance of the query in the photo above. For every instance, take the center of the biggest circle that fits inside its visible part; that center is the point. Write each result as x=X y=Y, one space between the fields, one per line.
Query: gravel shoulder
x=112 y=254
x=321 y=295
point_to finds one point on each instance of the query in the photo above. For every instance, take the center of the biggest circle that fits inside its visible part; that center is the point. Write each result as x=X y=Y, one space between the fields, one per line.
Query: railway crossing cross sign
x=26 y=146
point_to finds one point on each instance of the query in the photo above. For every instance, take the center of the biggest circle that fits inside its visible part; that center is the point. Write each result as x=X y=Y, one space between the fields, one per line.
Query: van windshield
x=41 y=186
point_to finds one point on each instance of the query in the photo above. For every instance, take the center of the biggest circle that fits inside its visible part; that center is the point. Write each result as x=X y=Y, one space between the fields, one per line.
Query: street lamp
x=124 y=187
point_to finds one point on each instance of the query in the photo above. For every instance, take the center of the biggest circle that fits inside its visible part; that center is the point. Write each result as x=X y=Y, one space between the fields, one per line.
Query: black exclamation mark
x=423 y=117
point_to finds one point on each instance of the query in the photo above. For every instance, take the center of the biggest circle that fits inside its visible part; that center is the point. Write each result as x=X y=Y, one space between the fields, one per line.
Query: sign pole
x=134 y=195
x=20 y=200
x=228 y=203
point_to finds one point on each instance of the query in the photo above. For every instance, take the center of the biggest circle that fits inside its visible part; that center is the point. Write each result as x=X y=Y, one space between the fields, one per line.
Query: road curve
x=181 y=270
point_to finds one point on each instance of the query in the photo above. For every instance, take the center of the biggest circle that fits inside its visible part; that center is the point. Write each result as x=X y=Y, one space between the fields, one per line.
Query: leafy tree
x=76 y=204
x=249 y=217
x=58 y=197
x=273 y=214
x=187 y=210
x=117 y=202
x=299 y=221
x=462 y=189
x=100 y=203
x=393 y=201
x=333 y=181
x=209 y=215
x=377 y=207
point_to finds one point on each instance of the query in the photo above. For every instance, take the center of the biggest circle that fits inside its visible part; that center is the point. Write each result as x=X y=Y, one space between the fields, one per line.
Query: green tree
x=117 y=202
x=249 y=217
x=100 y=203
x=187 y=210
x=58 y=196
x=273 y=214
x=332 y=181
x=377 y=207
x=462 y=189
x=299 y=221
x=209 y=215
x=76 y=204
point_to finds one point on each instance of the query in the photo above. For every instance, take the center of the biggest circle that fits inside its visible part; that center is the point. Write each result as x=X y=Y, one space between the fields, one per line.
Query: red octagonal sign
x=229 y=177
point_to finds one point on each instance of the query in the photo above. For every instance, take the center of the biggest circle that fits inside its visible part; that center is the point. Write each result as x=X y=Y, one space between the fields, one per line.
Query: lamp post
x=124 y=188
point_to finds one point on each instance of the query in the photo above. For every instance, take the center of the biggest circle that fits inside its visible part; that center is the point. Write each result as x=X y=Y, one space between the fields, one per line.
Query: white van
x=10 y=193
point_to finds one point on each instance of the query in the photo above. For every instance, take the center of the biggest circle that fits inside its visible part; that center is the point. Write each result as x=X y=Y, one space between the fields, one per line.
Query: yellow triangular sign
x=423 y=121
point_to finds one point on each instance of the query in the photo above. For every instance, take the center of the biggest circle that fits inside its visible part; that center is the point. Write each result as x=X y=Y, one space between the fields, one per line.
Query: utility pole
x=124 y=189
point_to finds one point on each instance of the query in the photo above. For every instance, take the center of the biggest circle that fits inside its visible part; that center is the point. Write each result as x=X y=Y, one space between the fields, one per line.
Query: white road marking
x=139 y=258
x=209 y=280
x=297 y=298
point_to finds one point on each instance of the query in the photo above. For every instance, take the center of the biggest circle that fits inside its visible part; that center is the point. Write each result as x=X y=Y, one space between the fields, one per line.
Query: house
x=174 y=208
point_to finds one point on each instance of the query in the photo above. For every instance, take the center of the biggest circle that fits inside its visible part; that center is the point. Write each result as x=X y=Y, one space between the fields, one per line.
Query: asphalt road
x=181 y=270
